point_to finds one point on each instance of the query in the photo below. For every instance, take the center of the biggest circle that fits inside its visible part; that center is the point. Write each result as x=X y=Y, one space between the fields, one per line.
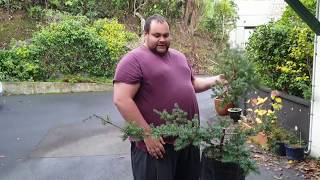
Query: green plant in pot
x=239 y=72
x=225 y=154
x=262 y=117
x=277 y=139
x=295 y=146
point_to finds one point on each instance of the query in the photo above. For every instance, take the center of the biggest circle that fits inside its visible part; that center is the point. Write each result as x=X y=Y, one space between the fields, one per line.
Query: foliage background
x=283 y=52
x=97 y=33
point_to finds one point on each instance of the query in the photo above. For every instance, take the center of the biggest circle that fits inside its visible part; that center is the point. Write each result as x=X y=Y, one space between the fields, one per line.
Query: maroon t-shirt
x=164 y=81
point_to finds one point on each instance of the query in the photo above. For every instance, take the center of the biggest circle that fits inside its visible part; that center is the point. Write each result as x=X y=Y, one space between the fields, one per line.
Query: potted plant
x=263 y=118
x=239 y=72
x=225 y=154
x=220 y=99
x=295 y=146
x=277 y=139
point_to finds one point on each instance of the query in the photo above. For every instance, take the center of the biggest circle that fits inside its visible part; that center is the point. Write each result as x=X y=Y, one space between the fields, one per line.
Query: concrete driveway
x=48 y=137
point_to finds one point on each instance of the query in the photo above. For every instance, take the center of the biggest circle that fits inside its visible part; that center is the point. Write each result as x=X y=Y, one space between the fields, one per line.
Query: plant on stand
x=239 y=72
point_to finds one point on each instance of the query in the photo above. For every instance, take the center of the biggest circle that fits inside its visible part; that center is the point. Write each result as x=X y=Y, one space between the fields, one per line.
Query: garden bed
x=295 y=110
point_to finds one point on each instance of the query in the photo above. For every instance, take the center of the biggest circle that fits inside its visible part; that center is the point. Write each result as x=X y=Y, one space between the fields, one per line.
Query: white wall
x=315 y=106
x=253 y=13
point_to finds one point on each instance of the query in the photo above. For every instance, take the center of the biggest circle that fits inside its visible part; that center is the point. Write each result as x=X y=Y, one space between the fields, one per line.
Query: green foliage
x=89 y=8
x=283 y=52
x=14 y=65
x=283 y=57
x=71 y=46
x=36 y=12
x=12 y=5
x=115 y=35
x=278 y=134
x=171 y=9
x=224 y=142
x=239 y=72
x=290 y=17
x=220 y=18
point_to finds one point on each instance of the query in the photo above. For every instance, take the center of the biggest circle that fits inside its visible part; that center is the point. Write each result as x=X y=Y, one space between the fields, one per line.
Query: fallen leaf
x=277 y=177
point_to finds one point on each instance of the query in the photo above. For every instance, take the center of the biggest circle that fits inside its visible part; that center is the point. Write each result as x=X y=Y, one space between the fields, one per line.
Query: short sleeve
x=191 y=70
x=128 y=70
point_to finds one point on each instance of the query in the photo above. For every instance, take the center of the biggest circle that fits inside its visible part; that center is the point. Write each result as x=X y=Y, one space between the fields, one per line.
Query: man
x=150 y=77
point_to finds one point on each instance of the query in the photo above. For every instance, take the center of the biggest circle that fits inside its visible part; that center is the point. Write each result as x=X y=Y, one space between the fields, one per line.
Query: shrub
x=14 y=65
x=283 y=57
x=71 y=45
x=115 y=35
x=283 y=51
x=35 y=12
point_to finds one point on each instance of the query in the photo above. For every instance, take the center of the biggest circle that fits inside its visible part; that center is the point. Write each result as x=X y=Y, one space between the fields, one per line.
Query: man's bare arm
x=203 y=84
x=123 y=98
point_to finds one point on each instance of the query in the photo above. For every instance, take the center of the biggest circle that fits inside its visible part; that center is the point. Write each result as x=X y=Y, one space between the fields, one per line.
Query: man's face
x=158 y=38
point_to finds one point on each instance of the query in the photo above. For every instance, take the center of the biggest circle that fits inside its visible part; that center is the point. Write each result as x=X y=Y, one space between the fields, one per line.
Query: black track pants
x=175 y=165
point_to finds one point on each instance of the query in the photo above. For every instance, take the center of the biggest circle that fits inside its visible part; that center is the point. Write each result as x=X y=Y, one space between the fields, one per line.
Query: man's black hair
x=155 y=17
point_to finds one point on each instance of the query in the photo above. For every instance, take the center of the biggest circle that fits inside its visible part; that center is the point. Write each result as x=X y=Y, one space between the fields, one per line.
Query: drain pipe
x=316 y=48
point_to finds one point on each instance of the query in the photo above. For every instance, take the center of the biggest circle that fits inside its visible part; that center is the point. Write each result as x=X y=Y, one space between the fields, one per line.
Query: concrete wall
x=51 y=87
x=253 y=13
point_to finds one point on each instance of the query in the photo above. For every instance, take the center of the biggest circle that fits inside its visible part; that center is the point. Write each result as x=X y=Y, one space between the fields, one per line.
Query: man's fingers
x=162 y=141
x=159 y=153
x=161 y=148
x=155 y=147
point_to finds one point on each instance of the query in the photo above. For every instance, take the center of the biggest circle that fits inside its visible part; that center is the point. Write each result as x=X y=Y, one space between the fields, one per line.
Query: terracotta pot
x=222 y=111
x=260 y=139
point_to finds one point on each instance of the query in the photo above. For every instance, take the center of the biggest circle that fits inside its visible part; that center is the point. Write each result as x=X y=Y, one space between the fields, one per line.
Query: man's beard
x=160 y=53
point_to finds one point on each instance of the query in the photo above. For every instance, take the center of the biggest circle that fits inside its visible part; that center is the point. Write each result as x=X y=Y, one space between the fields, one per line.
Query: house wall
x=315 y=105
x=253 y=13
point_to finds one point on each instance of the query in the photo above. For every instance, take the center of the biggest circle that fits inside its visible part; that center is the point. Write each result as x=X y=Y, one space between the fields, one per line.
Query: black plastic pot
x=294 y=153
x=212 y=169
x=235 y=113
x=280 y=149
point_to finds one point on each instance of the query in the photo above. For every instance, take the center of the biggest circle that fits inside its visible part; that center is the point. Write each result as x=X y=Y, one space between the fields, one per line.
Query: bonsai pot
x=294 y=153
x=260 y=138
x=235 y=113
x=280 y=149
x=212 y=169
x=222 y=110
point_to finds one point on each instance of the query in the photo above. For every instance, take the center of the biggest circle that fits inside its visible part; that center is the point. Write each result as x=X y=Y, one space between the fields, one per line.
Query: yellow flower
x=261 y=100
x=258 y=120
x=261 y=112
x=278 y=100
x=270 y=112
x=276 y=106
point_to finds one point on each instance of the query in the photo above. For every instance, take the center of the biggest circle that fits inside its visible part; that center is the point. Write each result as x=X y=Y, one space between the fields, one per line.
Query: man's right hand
x=155 y=146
